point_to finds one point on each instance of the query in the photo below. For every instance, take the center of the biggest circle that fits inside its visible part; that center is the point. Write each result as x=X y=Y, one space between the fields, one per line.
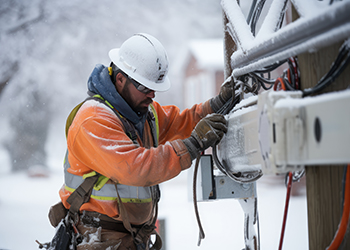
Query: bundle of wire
x=255 y=12
x=290 y=79
x=337 y=68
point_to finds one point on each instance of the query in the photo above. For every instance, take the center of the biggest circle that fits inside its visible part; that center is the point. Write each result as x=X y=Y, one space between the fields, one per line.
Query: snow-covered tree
x=49 y=48
x=25 y=103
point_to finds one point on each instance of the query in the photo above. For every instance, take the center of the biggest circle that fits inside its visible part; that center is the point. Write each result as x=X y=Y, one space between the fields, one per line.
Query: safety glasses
x=140 y=87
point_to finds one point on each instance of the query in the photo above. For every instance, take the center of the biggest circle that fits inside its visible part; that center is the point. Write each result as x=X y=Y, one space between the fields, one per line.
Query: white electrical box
x=279 y=131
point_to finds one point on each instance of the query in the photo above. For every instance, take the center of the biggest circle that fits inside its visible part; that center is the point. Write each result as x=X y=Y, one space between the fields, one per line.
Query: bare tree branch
x=28 y=22
x=9 y=74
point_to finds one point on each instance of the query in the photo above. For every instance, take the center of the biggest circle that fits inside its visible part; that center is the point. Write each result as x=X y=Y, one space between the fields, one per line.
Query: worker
x=132 y=144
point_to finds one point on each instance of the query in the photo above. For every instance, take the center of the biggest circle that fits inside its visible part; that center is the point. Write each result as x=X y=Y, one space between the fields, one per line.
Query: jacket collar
x=100 y=83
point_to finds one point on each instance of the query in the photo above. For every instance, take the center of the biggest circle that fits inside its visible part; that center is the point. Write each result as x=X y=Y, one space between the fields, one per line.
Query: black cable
x=261 y=81
x=336 y=69
x=228 y=106
x=240 y=177
x=341 y=56
x=290 y=84
x=271 y=67
x=201 y=230
x=265 y=80
x=252 y=8
x=287 y=84
x=282 y=14
x=291 y=73
x=279 y=25
x=264 y=86
x=256 y=15
x=255 y=86
x=248 y=176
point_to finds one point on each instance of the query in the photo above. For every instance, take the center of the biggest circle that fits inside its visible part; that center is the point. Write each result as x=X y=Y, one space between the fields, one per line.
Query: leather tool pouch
x=56 y=213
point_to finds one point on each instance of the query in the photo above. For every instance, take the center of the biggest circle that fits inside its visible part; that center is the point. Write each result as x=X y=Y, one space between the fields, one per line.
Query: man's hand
x=226 y=92
x=207 y=132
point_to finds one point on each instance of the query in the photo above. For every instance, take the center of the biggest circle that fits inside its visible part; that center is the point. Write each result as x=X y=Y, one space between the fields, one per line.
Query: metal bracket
x=214 y=185
x=220 y=186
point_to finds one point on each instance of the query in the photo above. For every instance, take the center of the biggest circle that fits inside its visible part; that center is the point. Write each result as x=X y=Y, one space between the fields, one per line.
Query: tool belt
x=58 y=213
x=95 y=219
x=140 y=233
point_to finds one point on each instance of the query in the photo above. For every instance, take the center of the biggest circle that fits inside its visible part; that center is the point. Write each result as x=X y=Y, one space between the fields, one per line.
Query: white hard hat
x=143 y=58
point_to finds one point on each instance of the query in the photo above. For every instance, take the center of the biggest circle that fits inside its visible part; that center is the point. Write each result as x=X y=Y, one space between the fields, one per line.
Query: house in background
x=204 y=70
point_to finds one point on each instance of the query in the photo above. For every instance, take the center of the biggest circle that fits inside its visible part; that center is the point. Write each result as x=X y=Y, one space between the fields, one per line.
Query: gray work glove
x=207 y=132
x=226 y=92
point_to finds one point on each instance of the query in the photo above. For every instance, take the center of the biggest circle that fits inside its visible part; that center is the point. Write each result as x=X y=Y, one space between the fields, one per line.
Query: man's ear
x=120 y=81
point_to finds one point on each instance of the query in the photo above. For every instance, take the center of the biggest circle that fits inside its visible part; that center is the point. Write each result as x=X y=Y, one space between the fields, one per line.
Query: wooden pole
x=323 y=183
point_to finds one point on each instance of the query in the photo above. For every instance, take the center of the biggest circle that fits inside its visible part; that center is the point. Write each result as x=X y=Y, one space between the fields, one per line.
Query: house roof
x=209 y=53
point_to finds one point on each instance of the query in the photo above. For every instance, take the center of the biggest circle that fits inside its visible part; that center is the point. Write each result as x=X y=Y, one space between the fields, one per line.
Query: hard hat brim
x=156 y=86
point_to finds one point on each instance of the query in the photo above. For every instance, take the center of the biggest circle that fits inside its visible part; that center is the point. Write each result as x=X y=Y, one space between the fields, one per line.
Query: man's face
x=137 y=100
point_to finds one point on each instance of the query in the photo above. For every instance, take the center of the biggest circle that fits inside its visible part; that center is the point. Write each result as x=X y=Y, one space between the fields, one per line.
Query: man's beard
x=140 y=110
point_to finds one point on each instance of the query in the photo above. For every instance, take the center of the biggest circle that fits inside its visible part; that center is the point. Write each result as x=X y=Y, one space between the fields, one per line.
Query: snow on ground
x=25 y=201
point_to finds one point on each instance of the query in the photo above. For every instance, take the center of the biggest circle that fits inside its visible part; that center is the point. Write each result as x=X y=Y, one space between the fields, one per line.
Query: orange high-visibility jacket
x=97 y=142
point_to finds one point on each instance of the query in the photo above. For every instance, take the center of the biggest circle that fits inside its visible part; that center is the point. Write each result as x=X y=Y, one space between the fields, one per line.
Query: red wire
x=276 y=86
x=289 y=187
x=343 y=225
x=296 y=75
x=289 y=75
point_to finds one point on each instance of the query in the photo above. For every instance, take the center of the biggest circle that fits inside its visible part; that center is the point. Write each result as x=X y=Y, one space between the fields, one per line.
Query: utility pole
x=229 y=48
x=323 y=183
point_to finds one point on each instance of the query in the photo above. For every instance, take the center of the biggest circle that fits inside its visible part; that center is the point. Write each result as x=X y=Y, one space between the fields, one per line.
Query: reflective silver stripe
x=73 y=181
